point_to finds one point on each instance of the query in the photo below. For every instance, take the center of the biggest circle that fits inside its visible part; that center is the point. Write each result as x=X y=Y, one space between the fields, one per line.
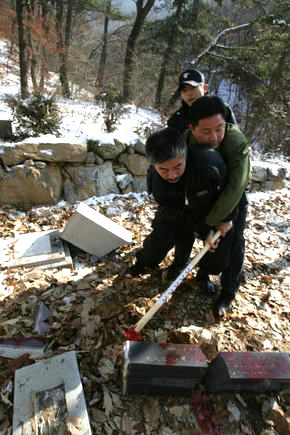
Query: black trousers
x=228 y=258
x=159 y=242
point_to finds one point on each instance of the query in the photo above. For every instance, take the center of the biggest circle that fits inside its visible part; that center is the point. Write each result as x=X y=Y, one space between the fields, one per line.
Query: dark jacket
x=179 y=119
x=185 y=204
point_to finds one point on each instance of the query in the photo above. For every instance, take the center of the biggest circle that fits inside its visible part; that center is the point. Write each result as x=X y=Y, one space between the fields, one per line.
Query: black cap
x=191 y=77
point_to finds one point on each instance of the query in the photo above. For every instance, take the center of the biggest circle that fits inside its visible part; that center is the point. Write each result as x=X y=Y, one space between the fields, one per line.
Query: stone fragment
x=248 y=371
x=93 y=232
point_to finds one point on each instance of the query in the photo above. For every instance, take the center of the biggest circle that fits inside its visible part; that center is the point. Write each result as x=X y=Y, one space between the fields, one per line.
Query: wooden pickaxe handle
x=163 y=298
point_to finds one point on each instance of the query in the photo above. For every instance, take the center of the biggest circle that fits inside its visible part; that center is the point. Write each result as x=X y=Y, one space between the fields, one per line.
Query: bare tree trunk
x=142 y=12
x=64 y=46
x=168 y=53
x=99 y=81
x=22 y=49
x=33 y=59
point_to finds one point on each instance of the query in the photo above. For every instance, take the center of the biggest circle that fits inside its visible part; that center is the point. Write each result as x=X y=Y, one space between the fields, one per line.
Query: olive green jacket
x=234 y=149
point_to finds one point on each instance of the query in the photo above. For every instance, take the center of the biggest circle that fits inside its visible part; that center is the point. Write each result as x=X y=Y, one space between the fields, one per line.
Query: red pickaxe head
x=132 y=335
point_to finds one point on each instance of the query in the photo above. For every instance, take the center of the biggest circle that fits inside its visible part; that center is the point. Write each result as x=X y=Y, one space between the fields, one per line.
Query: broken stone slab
x=258 y=372
x=93 y=232
x=164 y=369
x=41 y=249
x=42 y=315
x=48 y=397
x=17 y=346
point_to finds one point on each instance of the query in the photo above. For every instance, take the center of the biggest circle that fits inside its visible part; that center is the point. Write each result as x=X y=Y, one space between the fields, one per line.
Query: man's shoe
x=173 y=271
x=204 y=282
x=134 y=271
x=222 y=305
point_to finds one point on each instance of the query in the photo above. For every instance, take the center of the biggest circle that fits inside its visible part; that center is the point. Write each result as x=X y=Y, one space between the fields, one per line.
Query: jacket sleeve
x=178 y=121
x=236 y=155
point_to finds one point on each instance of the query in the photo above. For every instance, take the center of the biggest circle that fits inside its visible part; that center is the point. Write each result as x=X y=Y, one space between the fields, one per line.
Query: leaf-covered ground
x=92 y=303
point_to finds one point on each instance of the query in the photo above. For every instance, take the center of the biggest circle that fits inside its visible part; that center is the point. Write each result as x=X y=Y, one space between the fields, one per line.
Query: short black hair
x=165 y=144
x=204 y=107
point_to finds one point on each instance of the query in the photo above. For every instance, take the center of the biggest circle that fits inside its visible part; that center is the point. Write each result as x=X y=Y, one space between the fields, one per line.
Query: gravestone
x=5 y=129
x=164 y=369
x=42 y=249
x=258 y=372
x=48 y=395
x=93 y=232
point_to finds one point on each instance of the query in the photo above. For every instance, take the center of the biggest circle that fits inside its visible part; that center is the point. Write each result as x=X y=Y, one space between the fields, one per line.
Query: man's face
x=209 y=131
x=171 y=170
x=190 y=93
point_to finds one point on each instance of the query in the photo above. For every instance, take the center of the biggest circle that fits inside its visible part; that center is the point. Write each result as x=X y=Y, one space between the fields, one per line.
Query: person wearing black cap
x=191 y=87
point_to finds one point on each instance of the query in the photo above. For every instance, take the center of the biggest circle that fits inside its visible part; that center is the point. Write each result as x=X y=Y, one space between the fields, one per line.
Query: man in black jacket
x=191 y=87
x=185 y=182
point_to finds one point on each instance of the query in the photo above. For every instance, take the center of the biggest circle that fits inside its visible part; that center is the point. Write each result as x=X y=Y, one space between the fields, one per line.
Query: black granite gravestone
x=165 y=369
x=248 y=371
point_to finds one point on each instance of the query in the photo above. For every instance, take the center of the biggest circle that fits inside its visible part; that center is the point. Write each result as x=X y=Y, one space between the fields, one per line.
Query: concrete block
x=164 y=369
x=257 y=372
x=48 y=395
x=94 y=233
x=41 y=249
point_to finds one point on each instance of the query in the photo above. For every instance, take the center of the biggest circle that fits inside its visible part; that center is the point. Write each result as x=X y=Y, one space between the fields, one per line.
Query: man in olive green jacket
x=207 y=127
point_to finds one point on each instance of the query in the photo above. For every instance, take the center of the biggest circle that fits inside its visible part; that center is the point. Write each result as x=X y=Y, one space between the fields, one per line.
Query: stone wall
x=47 y=170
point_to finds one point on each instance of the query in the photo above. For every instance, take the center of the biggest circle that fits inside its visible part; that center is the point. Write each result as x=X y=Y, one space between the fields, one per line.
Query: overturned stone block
x=49 y=398
x=164 y=369
x=93 y=232
x=257 y=372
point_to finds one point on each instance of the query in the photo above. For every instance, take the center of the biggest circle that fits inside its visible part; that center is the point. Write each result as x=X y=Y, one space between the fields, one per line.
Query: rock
x=123 y=180
x=234 y=410
x=83 y=182
x=259 y=173
x=276 y=172
x=62 y=151
x=90 y=157
x=140 y=147
x=109 y=150
x=22 y=185
x=139 y=184
x=135 y=163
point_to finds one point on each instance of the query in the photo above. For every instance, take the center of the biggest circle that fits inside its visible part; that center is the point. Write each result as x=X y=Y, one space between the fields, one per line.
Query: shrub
x=112 y=105
x=34 y=115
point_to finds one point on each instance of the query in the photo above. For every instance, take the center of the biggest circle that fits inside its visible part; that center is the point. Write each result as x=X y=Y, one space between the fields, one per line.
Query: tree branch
x=223 y=33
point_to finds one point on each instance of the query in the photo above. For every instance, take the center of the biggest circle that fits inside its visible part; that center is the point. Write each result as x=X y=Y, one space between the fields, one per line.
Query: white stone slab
x=93 y=232
x=60 y=372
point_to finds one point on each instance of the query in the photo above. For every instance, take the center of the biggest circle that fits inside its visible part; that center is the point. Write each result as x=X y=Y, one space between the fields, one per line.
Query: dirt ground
x=93 y=302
